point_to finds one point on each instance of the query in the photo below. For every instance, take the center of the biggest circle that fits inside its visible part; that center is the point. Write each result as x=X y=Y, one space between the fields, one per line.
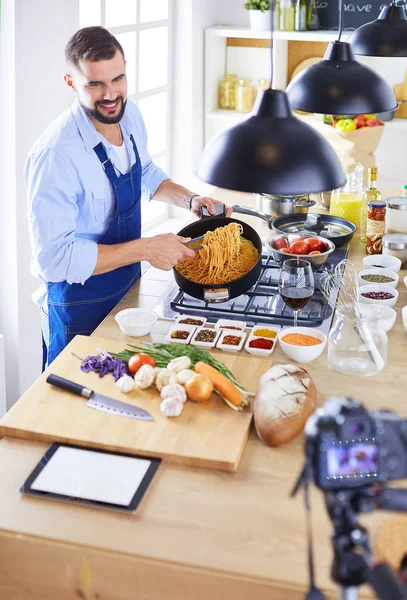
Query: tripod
x=353 y=560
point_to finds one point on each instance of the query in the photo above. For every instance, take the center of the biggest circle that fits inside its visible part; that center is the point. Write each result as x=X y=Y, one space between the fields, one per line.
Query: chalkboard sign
x=356 y=12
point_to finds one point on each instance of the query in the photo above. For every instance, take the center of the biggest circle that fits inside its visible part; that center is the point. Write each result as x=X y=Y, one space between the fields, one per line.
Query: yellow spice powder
x=299 y=339
x=266 y=333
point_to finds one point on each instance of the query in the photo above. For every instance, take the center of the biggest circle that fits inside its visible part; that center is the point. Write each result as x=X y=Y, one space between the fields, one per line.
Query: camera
x=348 y=446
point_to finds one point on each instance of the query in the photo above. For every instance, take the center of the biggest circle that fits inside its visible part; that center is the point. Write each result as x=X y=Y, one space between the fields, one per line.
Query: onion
x=199 y=388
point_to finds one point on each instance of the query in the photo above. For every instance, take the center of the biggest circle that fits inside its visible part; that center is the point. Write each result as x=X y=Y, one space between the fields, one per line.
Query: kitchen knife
x=100 y=402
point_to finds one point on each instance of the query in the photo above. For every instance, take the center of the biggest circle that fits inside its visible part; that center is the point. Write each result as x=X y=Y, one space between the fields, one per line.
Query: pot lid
x=324 y=225
x=397 y=203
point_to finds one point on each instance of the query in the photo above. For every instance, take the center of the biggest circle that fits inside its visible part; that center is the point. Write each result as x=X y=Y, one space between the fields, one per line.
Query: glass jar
x=358 y=346
x=395 y=244
x=375 y=226
x=227 y=92
x=396 y=215
x=244 y=95
x=346 y=202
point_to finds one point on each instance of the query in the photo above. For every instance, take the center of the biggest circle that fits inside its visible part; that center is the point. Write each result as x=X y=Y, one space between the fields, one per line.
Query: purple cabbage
x=104 y=365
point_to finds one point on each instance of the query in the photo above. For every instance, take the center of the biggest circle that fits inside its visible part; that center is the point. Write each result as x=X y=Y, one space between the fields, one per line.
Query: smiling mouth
x=109 y=105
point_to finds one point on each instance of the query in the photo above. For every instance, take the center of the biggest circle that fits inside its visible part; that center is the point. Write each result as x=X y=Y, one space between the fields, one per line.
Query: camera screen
x=347 y=461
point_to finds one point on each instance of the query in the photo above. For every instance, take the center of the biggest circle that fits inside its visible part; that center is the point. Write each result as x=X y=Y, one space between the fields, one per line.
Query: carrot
x=222 y=384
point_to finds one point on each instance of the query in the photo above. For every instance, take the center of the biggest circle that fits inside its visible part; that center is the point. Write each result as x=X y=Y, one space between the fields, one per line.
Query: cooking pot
x=223 y=291
x=339 y=231
x=278 y=206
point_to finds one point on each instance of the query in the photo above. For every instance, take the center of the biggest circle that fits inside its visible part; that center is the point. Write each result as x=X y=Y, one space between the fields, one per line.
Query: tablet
x=91 y=477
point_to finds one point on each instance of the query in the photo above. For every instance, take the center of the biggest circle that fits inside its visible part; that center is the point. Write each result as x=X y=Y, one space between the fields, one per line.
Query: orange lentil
x=299 y=339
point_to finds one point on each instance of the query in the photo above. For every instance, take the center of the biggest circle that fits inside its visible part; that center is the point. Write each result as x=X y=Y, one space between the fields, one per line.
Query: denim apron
x=78 y=309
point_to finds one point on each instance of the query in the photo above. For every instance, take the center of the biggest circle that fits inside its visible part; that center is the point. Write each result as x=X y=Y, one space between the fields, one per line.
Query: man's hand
x=166 y=250
x=199 y=201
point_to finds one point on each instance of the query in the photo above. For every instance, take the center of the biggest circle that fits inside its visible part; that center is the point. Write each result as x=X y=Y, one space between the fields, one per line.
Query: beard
x=103 y=118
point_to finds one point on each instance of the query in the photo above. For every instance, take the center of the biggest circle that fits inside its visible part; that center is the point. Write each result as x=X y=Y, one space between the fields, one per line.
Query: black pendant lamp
x=339 y=85
x=272 y=152
x=387 y=36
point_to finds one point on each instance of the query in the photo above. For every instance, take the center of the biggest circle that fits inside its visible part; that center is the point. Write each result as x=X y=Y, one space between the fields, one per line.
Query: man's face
x=101 y=87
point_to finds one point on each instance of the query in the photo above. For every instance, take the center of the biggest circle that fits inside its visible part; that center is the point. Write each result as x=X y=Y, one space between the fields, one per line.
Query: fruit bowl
x=280 y=253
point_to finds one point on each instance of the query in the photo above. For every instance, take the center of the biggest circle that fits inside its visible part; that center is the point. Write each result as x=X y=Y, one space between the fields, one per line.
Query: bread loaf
x=285 y=398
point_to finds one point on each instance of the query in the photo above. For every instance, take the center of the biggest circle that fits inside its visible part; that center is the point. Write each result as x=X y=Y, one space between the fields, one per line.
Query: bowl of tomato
x=313 y=248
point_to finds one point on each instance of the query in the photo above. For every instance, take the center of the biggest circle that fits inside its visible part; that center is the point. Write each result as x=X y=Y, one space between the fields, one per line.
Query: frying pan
x=337 y=230
x=223 y=291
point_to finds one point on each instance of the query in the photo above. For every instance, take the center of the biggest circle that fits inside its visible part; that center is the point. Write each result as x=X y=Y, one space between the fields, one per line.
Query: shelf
x=229 y=31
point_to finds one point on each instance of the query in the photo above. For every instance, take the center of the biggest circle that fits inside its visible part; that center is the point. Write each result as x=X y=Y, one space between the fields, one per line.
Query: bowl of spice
x=382 y=261
x=205 y=337
x=230 y=324
x=302 y=344
x=231 y=341
x=378 y=276
x=191 y=320
x=180 y=334
x=378 y=293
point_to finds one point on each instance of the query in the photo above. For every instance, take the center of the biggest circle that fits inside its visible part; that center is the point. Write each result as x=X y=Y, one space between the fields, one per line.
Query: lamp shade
x=272 y=152
x=387 y=36
x=339 y=85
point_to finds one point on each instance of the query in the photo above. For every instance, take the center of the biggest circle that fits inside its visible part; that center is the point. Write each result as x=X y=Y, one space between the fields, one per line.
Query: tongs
x=197 y=239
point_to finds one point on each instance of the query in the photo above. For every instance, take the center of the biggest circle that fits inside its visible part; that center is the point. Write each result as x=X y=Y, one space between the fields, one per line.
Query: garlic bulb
x=171 y=407
x=180 y=363
x=174 y=390
x=163 y=378
x=144 y=377
x=125 y=384
x=185 y=375
x=157 y=371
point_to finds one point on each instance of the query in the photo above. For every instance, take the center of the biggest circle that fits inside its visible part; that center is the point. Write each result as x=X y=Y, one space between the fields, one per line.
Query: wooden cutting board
x=206 y=434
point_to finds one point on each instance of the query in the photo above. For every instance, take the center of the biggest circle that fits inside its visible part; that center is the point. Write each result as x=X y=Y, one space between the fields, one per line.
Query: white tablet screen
x=92 y=475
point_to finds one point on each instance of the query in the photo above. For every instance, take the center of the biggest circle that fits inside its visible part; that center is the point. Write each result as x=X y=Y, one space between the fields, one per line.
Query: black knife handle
x=69 y=386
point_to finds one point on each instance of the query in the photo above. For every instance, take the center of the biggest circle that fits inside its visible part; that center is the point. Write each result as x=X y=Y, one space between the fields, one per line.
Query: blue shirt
x=71 y=202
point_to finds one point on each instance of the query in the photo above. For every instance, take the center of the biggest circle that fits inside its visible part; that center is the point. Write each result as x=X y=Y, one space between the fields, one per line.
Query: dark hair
x=91 y=43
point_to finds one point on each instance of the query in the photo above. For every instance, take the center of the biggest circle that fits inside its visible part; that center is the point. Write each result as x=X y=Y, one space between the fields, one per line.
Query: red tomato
x=314 y=252
x=299 y=247
x=280 y=243
x=285 y=250
x=314 y=244
x=138 y=360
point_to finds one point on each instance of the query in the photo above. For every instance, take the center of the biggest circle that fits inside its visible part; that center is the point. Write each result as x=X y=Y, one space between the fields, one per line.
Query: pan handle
x=244 y=210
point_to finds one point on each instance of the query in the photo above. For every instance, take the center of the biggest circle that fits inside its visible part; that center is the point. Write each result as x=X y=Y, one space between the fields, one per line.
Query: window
x=143 y=29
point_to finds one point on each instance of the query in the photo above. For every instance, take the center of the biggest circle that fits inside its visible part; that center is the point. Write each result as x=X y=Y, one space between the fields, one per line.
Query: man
x=84 y=177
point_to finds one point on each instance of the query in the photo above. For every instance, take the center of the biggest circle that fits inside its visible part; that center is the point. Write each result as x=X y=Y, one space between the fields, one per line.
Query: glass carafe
x=346 y=202
x=358 y=346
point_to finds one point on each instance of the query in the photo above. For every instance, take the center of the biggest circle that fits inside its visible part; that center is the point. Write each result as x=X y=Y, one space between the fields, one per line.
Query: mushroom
x=163 y=378
x=179 y=364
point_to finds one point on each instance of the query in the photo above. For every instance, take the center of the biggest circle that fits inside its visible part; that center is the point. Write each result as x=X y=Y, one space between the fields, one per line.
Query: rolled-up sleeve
x=53 y=189
x=152 y=176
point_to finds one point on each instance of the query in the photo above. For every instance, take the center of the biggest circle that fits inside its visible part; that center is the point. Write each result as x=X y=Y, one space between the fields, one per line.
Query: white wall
x=33 y=37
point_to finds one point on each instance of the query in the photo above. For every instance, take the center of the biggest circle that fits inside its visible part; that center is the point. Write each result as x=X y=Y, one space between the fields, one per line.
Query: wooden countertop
x=198 y=534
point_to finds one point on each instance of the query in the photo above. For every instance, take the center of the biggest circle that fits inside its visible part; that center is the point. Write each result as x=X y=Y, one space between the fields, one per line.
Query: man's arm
x=175 y=194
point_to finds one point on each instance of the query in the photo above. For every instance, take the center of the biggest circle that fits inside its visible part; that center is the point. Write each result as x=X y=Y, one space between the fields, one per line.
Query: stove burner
x=262 y=303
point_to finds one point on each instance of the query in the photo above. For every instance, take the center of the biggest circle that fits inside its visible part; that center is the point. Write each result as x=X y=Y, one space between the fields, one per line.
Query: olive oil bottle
x=370 y=193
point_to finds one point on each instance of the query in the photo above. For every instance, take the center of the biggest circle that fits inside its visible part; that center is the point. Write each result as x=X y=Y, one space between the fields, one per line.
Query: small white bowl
x=387 y=314
x=229 y=347
x=196 y=342
x=405 y=281
x=274 y=328
x=382 y=260
x=200 y=321
x=404 y=316
x=385 y=272
x=189 y=328
x=259 y=351
x=136 y=322
x=229 y=323
x=302 y=354
x=378 y=287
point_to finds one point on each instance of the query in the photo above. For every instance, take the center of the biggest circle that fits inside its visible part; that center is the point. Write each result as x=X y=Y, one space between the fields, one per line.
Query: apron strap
x=106 y=162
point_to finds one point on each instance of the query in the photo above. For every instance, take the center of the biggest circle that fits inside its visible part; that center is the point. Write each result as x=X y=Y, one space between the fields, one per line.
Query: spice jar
x=227 y=92
x=395 y=244
x=244 y=95
x=375 y=226
x=396 y=215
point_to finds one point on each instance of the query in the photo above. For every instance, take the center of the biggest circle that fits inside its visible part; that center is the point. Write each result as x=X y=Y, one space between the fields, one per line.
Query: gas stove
x=262 y=303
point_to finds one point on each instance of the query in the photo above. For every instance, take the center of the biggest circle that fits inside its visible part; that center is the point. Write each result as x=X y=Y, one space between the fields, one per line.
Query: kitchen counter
x=198 y=534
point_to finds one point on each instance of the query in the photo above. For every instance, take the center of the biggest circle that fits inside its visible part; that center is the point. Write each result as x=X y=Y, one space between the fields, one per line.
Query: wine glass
x=296 y=284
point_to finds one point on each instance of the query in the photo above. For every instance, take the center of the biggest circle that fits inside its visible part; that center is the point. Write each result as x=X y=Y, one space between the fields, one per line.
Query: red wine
x=296 y=298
